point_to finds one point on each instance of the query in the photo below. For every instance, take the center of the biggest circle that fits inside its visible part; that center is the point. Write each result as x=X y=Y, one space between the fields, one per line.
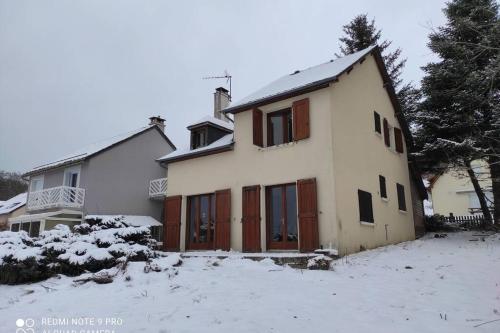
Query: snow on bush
x=319 y=262
x=94 y=245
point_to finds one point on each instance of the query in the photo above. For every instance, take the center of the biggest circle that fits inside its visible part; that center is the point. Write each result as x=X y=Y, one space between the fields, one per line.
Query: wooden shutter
x=251 y=218
x=301 y=119
x=376 y=119
x=172 y=224
x=258 y=134
x=398 y=138
x=222 y=238
x=387 y=136
x=308 y=215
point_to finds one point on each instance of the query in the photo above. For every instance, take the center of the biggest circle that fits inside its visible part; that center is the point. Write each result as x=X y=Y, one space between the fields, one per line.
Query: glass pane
x=212 y=217
x=291 y=213
x=192 y=217
x=35 y=229
x=289 y=126
x=276 y=214
x=204 y=218
x=25 y=227
x=277 y=129
x=14 y=227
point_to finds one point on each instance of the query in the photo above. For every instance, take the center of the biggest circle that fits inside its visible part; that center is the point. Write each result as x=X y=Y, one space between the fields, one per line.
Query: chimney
x=221 y=101
x=158 y=121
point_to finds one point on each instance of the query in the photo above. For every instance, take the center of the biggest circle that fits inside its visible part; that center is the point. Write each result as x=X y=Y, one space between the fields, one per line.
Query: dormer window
x=199 y=138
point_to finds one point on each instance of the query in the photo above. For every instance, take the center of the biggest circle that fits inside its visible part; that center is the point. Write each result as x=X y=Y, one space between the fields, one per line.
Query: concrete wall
x=252 y=165
x=450 y=192
x=360 y=156
x=117 y=180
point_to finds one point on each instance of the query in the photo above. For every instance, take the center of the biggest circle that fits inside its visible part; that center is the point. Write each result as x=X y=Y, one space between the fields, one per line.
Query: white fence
x=56 y=197
x=158 y=188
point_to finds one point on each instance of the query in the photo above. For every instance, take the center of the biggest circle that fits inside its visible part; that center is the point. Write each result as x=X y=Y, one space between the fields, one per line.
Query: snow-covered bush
x=321 y=262
x=94 y=245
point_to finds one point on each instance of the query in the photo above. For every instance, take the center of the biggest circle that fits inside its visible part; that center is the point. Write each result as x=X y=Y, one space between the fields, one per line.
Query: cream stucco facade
x=343 y=154
x=452 y=192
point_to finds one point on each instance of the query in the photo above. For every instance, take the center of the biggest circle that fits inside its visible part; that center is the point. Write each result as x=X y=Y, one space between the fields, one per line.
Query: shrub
x=94 y=245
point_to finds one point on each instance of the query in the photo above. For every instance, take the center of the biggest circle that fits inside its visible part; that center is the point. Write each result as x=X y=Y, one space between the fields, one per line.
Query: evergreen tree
x=361 y=33
x=458 y=118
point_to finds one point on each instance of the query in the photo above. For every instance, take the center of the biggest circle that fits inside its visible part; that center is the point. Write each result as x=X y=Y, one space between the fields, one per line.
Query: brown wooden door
x=308 y=215
x=172 y=224
x=251 y=218
x=223 y=220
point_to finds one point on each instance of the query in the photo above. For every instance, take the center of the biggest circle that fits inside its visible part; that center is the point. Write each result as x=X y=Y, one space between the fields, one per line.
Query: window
x=365 y=206
x=71 y=176
x=383 y=188
x=279 y=127
x=474 y=200
x=401 y=197
x=36 y=184
x=281 y=211
x=201 y=222
x=198 y=138
x=15 y=227
x=378 y=127
x=157 y=233
x=35 y=229
x=387 y=134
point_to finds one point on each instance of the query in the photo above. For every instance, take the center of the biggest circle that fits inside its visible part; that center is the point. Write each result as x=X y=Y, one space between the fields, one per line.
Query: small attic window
x=198 y=138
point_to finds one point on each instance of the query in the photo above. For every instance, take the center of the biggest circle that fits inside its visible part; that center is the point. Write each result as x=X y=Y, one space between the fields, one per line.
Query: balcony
x=158 y=188
x=56 y=197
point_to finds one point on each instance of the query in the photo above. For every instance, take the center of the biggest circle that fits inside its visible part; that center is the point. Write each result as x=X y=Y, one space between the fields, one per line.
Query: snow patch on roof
x=131 y=220
x=304 y=78
x=13 y=203
x=213 y=120
x=89 y=150
x=226 y=140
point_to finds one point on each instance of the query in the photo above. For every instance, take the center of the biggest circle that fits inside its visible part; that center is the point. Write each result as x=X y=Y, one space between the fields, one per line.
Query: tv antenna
x=226 y=76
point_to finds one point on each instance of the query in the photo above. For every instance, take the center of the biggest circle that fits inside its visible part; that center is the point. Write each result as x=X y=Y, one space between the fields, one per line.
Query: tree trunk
x=495 y=183
x=480 y=194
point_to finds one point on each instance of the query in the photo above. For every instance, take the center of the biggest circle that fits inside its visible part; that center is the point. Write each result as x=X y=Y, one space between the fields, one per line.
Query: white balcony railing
x=56 y=197
x=158 y=188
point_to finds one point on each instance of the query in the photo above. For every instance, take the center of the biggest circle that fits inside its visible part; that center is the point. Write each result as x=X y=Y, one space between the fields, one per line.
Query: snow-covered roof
x=302 y=79
x=13 y=203
x=210 y=119
x=89 y=150
x=225 y=141
x=39 y=216
x=131 y=220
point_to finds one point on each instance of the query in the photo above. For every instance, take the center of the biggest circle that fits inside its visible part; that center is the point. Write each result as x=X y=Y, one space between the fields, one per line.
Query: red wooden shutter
x=222 y=238
x=172 y=224
x=387 y=137
x=308 y=215
x=301 y=119
x=251 y=218
x=398 y=137
x=257 y=128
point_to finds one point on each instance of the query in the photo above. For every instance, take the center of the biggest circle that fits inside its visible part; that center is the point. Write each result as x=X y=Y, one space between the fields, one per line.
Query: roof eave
x=205 y=152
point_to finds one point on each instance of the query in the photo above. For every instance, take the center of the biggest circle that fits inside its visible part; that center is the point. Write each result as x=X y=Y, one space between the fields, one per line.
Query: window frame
x=365 y=219
x=401 y=197
x=68 y=172
x=284 y=244
x=40 y=179
x=287 y=134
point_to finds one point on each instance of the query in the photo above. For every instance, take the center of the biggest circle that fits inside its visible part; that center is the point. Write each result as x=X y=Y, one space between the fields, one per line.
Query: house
x=316 y=159
x=13 y=207
x=117 y=176
x=452 y=192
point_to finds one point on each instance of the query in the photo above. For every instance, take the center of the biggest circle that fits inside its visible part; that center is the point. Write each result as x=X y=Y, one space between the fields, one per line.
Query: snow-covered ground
x=453 y=285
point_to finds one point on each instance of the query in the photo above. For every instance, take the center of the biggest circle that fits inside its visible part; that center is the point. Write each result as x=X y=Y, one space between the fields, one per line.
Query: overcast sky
x=75 y=72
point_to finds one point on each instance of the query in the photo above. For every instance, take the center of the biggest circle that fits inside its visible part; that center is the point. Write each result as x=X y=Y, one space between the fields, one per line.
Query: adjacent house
x=117 y=176
x=13 y=207
x=452 y=191
x=316 y=159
